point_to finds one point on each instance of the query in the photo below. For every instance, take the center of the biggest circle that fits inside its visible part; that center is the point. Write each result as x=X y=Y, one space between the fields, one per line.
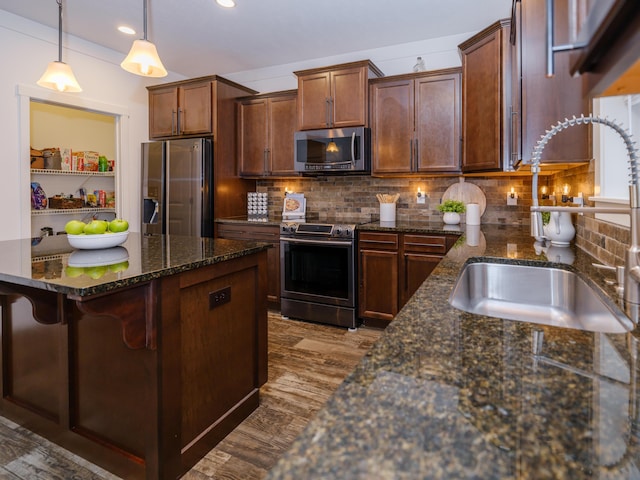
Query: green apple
x=95 y=227
x=74 y=227
x=119 y=267
x=95 y=272
x=118 y=225
x=73 y=272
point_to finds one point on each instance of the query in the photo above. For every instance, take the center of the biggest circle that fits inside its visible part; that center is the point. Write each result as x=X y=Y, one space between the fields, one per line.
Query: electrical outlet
x=512 y=201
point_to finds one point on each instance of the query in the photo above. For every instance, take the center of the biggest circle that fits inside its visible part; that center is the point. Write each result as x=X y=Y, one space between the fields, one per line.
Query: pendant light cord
x=59 y=2
x=144 y=23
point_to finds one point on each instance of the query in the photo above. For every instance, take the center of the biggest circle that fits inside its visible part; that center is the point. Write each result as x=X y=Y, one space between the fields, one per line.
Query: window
x=612 y=169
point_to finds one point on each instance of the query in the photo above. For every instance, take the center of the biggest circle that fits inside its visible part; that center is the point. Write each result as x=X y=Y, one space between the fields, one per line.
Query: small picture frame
x=294 y=205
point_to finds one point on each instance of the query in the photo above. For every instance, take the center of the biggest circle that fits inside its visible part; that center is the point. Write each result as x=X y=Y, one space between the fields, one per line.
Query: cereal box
x=88 y=160
x=65 y=154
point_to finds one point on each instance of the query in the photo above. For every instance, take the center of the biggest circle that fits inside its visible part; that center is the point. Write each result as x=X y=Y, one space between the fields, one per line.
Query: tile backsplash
x=349 y=196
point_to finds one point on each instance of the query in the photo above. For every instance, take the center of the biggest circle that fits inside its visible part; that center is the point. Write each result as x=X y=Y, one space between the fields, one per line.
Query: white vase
x=560 y=231
x=451 y=218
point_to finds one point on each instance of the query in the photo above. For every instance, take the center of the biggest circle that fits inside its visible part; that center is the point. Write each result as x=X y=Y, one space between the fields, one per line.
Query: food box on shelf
x=85 y=161
x=64 y=202
x=65 y=155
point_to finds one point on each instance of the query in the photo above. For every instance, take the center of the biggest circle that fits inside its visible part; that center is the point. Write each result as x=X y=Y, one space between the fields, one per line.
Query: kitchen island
x=139 y=358
x=447 y=394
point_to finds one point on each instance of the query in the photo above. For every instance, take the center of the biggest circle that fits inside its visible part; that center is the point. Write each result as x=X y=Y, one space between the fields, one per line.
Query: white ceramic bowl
x=93 y=242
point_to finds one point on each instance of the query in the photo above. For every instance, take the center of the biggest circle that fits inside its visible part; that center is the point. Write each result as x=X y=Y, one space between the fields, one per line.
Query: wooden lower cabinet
x=261 y=233
x=391 y=268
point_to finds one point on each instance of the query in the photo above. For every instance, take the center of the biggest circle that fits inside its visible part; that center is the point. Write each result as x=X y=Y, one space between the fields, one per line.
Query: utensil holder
x=387 y=212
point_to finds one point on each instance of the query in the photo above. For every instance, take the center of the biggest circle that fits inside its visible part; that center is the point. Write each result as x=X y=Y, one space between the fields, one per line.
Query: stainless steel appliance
x=177 y=192
x=338 y=150
x=318 y=272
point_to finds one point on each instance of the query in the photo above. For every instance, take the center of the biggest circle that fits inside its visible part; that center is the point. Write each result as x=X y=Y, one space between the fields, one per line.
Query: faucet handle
x=619 y=273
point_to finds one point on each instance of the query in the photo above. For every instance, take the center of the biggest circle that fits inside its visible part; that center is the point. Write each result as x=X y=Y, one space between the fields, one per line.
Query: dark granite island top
x=139 y=358
x=447 y=394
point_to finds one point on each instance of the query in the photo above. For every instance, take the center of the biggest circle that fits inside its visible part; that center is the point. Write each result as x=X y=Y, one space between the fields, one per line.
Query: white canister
x=473 y=214
x=387 y=212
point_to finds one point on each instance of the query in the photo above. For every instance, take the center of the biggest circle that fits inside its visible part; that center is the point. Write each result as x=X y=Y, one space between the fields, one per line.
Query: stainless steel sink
x=542 y=295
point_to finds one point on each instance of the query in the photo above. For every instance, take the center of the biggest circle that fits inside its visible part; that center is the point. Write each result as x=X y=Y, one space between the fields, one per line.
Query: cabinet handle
x=327 y=112
x=173 y=122
x=266 y=161
x=180 y=126
x=411 y=154
x=514 y=136
x=417 y=155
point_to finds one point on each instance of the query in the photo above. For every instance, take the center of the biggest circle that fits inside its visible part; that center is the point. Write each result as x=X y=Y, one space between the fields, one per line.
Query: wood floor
x=307 y=362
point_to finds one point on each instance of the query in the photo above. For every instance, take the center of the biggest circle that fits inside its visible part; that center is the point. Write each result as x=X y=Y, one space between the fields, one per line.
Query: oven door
x=318 y=271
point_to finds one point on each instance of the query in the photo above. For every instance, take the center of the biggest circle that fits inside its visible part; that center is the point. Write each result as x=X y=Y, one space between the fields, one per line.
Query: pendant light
x=143 y=57
x=58 y=75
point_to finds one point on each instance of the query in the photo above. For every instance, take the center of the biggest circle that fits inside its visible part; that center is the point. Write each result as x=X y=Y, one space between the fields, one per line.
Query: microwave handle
x=353 y=149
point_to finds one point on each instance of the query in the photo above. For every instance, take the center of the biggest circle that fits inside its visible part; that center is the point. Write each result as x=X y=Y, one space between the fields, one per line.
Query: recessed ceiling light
x=127 y=30
x=226 y=3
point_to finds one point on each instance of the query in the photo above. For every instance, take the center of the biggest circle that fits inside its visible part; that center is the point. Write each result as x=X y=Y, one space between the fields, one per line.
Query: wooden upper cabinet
x=163 y=107
x=486 y=127
x=334 y=97
x=392 y=126
x=181 y=109
x=282 y=126
x=545 y=101
x=252 y=137
x=416 y=121
x=266 y=125
x=438 y=123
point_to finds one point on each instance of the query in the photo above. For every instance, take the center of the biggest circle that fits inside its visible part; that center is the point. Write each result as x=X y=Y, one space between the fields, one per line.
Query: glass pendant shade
x=59 y=76
x=143 y=60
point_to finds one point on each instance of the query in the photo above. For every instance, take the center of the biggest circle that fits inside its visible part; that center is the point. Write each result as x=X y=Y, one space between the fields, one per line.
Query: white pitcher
x=560 y=230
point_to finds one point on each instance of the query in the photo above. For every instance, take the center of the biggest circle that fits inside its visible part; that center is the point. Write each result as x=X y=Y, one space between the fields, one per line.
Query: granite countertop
x=449 y=394
x=50 y=263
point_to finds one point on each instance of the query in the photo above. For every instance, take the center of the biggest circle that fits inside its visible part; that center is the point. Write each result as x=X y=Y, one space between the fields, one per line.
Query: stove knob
x=338 y=231
x=348 y=232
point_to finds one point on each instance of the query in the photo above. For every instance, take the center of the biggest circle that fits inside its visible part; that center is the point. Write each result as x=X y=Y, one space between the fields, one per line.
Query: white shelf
x=70 y=211
x=84 y=173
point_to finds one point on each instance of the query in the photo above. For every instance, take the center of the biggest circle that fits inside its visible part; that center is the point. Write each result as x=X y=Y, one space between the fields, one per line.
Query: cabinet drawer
x=425 y=243
x=378 y=240
x=263 y=233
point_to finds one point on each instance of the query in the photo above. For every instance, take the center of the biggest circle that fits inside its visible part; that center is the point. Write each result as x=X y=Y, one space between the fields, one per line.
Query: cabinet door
x=545 y=101
x=392 y=114
x=481 y=117
x=282 y=126
x=437 y=114
x=349 y=97
x=252 y=133
x=417 y=267
x=378 y=284
x=163 y=111
x=314 y=91
x=194 y=109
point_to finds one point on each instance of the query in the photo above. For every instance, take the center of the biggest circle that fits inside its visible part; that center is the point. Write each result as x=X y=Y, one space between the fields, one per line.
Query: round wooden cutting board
x=466 y=193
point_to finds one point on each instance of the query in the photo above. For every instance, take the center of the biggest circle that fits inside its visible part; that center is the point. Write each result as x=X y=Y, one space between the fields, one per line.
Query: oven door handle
x=316 y=242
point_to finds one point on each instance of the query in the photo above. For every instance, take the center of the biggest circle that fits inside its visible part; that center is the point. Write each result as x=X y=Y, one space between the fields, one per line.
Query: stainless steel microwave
x=338 y=150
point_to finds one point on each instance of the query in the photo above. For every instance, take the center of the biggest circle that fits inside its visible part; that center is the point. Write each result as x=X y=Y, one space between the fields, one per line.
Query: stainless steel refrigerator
x=177 y=187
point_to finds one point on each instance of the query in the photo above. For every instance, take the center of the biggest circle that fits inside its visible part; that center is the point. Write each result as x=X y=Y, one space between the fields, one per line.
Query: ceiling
x=198 y=37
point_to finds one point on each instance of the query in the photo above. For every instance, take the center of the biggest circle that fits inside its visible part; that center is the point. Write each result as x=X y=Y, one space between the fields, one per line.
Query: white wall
x=30 y=46
x=394 y=60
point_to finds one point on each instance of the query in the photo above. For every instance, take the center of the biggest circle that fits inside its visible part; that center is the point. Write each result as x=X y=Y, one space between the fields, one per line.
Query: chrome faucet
x=631 y=293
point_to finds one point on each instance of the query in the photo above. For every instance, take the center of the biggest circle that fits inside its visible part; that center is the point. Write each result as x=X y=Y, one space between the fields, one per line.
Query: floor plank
x=307 y=362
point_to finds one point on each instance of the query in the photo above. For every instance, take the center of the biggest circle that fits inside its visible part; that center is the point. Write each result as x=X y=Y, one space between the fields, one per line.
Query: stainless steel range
x=318 y=272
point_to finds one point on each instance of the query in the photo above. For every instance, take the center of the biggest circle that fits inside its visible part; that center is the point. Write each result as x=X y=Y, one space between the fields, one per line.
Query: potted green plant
x=452 y=210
